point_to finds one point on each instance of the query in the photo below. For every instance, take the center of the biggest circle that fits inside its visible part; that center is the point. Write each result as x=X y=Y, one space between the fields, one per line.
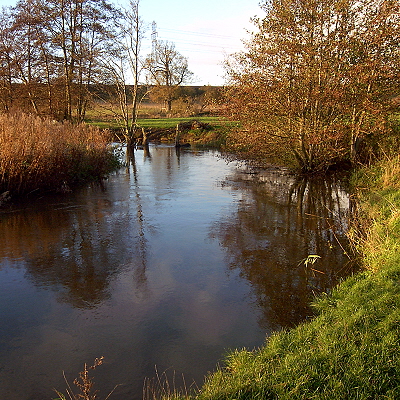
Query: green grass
x=160 y=123
x=165 y=123
x=350 y=349
x=163 y=129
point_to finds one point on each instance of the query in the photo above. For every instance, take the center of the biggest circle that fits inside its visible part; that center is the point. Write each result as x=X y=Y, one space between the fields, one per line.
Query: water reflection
x=279 y=221
x=177 y=258
x=77 y=249
x=140 y=277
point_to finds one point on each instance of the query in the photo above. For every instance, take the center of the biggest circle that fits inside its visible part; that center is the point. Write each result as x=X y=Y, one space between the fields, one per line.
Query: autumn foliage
x=317 y=82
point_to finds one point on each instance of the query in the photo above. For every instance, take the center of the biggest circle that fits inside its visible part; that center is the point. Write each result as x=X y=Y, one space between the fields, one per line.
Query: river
x=172 y=261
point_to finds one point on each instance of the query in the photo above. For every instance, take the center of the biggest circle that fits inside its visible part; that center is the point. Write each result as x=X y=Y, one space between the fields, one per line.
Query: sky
x=204 y=31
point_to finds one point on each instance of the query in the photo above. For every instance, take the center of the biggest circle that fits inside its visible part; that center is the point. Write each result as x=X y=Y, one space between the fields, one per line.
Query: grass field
x=163 y=129
x=150 y=115
x=172 y=122
x=159 y=123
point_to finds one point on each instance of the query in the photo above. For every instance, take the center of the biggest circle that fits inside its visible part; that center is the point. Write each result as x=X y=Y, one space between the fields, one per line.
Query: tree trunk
x=145 y=139
x=177 y=132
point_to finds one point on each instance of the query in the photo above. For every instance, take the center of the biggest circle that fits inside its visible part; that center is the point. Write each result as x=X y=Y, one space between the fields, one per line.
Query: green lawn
x=161 y=123
x=172 y=122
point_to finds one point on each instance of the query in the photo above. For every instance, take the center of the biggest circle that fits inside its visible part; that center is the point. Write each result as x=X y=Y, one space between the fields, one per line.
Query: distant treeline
x=192 y=99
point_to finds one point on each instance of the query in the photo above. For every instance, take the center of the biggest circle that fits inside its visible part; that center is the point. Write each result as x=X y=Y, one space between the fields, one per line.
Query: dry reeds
x=167 y=386
x=37 y=154
x=85 y=385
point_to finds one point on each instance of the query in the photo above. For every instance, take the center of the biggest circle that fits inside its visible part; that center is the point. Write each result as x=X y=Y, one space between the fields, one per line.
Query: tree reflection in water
x=140 y=278
x=77 y=248
x=279 y=220
x=141 y=282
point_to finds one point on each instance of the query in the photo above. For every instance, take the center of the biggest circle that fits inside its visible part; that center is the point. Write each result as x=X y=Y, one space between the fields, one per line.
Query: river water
x=175 y=259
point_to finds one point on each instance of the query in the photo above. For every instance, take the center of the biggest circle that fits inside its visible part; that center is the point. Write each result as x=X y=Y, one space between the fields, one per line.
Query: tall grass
x=379 y=191
x=37 y=154
x=167 y=385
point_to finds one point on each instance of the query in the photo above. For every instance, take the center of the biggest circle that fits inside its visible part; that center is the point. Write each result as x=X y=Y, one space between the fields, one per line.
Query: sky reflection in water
x=174 y=260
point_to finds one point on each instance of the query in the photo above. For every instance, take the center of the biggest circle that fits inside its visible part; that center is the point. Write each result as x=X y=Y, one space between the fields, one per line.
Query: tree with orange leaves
x=316 y=82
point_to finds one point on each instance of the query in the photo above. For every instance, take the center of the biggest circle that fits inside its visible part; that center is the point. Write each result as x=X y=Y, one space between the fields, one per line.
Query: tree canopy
x=54 y=54
x=317 y=80
x=50 y=52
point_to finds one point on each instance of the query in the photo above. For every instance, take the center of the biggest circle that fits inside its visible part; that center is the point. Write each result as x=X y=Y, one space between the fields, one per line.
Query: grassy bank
x=213 y=134
x=215 y=122
x=157 y=123
x=37 y=154
x=350 y=350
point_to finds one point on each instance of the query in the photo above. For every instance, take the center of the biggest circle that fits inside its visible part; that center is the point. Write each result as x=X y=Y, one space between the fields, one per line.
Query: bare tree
x=26 y=51
x=133 y=33
x=52 y=49
x=167 y=70
x=124 y=66
x=77 y=32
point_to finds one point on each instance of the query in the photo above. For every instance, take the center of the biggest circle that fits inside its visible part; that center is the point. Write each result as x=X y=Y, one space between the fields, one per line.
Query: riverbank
x=42 y=155
x=199 y=131
x=350 y=350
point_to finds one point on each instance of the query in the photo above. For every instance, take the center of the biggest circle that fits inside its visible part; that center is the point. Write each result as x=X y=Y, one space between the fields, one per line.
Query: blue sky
x=203 y=31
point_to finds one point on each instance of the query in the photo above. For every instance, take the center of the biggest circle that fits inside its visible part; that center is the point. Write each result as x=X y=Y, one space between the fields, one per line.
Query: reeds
x=168 y=386
x=40 y=154
x=85 y=385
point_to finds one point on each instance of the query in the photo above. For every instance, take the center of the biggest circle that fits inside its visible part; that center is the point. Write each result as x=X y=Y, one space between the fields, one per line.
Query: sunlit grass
x=172 y=122
x=213 y=134
x=159 y=123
